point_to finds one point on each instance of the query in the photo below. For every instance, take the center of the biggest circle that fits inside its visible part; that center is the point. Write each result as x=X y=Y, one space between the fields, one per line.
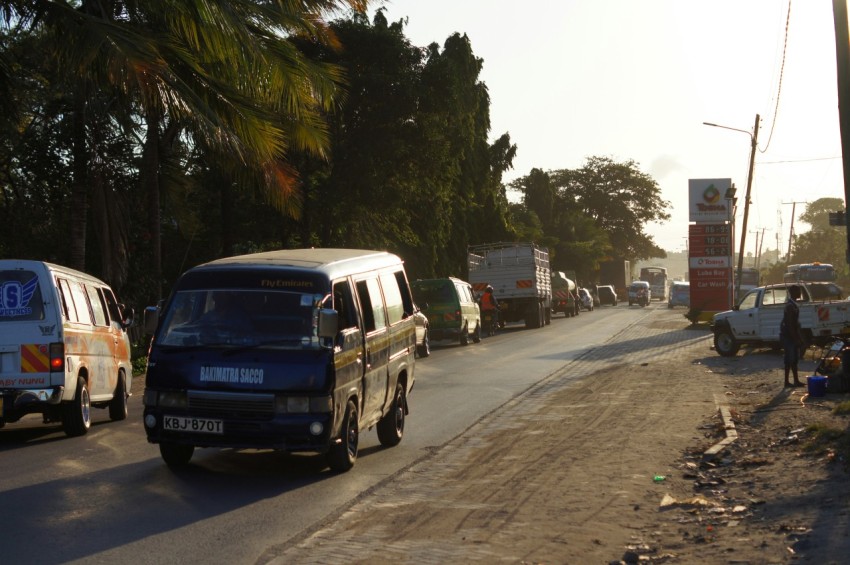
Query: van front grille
x=235 y=405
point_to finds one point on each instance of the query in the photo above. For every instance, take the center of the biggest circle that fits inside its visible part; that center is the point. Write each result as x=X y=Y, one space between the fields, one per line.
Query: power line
x=781 y=74
x=798 y=160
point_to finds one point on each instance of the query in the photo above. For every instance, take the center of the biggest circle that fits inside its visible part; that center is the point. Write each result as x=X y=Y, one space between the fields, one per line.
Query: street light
x=753 y=144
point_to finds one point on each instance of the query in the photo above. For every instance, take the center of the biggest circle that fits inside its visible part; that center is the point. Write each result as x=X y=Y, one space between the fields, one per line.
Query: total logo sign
x=708 y=262
x=707 y=199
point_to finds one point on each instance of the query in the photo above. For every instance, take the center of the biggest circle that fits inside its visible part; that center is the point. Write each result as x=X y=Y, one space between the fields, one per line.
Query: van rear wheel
x=76 y=420
x=118 y=404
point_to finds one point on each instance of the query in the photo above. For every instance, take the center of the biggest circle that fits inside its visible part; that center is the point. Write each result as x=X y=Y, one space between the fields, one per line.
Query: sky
x=571 y=79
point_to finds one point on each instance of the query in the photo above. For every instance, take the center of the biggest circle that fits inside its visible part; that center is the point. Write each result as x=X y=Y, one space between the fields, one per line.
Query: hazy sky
x=635 y=80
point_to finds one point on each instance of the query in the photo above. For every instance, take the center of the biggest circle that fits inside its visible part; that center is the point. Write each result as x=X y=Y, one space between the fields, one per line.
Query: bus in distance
x=809 y=272
x=657 y=279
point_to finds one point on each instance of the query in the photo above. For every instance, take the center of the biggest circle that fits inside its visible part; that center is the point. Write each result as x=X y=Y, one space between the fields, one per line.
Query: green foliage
x=823 y=439
x=591 y=213
x=842 y=408
x=823 y=243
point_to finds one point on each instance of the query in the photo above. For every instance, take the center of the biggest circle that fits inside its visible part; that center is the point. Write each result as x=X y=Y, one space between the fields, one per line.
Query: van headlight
x=303 y=404
x=153 y=398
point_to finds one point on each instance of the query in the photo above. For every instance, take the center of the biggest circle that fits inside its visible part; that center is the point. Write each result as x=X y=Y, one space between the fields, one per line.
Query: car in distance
x=680 y=295
x=606 y=294
x=450 y=306
x=586 y=299
x=423 y=337
x=635 y=289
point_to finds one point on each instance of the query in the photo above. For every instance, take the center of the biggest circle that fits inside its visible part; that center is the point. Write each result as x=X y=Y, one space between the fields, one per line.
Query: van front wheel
x=176 y=455
x=118 y=404
x=343 y=453
x=77 y=417
x=391 y=426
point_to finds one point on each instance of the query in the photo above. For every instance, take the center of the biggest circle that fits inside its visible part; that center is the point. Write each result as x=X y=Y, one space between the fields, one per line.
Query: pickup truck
x=756 y=319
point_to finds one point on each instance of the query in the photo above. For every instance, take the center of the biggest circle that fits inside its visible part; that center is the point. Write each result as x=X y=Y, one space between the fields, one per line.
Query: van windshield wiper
x=184 y=348
x=282 y=341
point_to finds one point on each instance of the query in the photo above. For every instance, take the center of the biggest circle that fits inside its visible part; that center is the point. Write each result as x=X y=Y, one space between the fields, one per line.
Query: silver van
x=64 y=346
x=297 y=350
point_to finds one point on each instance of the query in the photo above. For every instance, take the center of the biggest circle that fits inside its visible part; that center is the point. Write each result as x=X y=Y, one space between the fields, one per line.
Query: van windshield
x=241 y=318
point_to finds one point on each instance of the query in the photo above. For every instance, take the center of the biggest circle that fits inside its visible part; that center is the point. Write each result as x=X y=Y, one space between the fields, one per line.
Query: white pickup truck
x=756 y=319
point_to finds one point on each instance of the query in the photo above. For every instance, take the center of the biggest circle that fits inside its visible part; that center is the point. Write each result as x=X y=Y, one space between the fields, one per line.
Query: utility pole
x=758 y=255
x=791 y=235
x=756 y=249
x=842 y=63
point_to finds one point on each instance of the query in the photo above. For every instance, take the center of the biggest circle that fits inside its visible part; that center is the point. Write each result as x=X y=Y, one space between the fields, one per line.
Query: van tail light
x=57 y=357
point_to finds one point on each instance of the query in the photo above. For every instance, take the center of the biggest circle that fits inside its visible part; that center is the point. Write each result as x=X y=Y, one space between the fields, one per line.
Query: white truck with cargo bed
x=520 y=276
x=756 y=320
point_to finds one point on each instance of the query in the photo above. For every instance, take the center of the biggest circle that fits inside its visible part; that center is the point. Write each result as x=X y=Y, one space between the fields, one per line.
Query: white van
x=63 y=346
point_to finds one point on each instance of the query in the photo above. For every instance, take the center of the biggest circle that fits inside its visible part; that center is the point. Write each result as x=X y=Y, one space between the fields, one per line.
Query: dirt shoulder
x=576 y=470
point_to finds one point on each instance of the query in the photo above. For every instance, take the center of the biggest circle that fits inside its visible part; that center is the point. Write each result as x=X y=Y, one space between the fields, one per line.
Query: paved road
x=107 y=497
x=562 y=474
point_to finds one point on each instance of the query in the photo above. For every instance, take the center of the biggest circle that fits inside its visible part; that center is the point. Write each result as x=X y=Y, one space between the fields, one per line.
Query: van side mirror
x=151 y=319
x=328 y=323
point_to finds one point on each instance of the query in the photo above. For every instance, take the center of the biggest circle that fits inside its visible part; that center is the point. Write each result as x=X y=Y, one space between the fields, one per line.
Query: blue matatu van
x=298 y=350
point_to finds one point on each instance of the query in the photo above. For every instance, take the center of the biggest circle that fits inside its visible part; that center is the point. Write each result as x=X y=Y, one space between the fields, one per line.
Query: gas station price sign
x=710 y=240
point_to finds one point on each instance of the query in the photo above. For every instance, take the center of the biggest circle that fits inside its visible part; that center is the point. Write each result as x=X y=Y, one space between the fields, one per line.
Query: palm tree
x=225 y=73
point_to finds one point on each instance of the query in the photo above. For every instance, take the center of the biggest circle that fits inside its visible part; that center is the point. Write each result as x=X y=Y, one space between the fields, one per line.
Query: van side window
x=111 y=305
x=392 y=296
x=404 y=289
x=371 y=305
x=97 y=306
x=68 y=307
x=344 y=305
x=80 y=302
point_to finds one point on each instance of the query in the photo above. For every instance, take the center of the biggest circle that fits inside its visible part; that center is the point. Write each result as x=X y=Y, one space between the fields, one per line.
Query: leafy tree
x=224 y=72
x=823 y=243
x=620 y=199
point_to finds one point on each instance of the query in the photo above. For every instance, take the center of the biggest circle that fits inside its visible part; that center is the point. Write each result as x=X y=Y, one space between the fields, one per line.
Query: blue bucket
x=816 y=385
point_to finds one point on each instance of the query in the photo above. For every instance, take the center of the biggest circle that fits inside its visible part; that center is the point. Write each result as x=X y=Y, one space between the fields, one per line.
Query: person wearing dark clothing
x=790 y=335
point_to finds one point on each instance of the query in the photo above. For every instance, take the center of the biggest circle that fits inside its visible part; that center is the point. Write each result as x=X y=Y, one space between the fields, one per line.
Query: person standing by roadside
x=790 y=335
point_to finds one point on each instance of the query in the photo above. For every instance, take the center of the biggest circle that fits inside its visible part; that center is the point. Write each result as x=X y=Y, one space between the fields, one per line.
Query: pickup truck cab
x=755 y=320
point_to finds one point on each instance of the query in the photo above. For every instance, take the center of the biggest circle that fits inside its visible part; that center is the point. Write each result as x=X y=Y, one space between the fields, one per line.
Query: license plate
x=194 y=425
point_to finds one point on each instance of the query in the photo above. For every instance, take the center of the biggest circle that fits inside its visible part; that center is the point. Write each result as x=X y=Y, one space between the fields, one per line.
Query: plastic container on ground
x=816 y=385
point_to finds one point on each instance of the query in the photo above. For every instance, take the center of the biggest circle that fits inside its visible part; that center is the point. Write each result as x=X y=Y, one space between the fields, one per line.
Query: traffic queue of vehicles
x=296 y=350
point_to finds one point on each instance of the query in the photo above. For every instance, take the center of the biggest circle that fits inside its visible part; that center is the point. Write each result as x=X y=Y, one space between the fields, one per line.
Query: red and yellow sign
x=35 y=358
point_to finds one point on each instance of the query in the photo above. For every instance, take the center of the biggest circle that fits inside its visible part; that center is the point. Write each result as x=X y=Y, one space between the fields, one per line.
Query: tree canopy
x=595 y=212
x=169 y=134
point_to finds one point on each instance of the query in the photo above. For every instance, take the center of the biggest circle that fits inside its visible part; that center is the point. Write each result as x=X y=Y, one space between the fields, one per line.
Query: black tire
x=464 y=335
x=342 y=455
x=391 y=426
x=76 y=420
x=476 y=337
x=547 y=316
x=176 y=455
x=424 y=349
x=118 y=405
x=725 y=343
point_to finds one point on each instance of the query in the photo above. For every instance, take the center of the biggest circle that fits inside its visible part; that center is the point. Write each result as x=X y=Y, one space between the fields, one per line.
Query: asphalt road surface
x=107 y=497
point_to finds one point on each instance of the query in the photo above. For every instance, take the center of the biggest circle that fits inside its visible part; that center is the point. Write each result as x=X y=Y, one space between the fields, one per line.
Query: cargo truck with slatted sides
x=521 y=279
